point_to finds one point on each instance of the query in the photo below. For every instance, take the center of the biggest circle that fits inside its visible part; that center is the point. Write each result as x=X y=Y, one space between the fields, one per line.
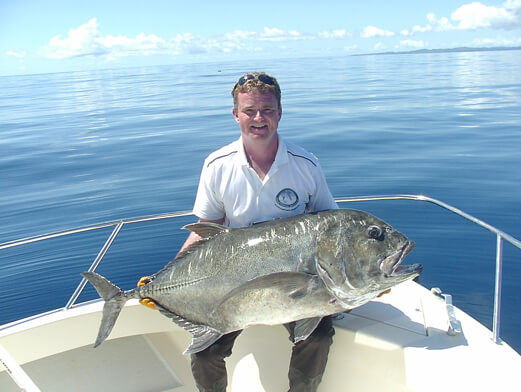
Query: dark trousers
x=307 y=365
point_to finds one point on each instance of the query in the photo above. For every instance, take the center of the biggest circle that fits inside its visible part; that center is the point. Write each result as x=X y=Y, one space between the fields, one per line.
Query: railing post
x=94 y=264
x=497 y=290
x=16 y=372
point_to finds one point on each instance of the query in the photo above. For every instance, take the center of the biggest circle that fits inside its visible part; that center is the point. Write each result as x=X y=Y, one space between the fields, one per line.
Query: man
x=257 y=178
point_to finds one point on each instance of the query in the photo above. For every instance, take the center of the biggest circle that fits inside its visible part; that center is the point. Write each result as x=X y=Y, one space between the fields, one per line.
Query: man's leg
x=209 y=367
x=309 y=357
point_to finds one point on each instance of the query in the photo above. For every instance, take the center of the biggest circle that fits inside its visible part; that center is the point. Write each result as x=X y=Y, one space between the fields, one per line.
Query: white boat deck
x=398 y=342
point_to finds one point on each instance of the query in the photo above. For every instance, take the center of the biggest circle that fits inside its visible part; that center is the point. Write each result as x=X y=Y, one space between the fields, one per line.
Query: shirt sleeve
x=208 y=204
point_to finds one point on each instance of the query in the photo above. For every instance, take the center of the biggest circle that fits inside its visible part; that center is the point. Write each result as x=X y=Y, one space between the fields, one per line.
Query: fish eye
x=374 y=232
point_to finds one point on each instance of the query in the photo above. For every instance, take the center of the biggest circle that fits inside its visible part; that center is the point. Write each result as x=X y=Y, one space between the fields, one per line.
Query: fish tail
x=115 y=299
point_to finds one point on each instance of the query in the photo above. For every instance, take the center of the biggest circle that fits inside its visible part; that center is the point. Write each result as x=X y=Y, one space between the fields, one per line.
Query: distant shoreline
x=453 y=50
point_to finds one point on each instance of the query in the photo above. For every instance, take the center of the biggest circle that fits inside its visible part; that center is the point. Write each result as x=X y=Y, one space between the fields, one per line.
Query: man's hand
x=383 y=292
x=146 y=301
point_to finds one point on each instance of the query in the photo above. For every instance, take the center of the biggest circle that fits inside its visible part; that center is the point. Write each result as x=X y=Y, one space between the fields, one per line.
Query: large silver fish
x=300 y=269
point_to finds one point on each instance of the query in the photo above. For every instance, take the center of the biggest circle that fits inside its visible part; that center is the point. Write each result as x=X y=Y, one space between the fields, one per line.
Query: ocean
x=81 y=148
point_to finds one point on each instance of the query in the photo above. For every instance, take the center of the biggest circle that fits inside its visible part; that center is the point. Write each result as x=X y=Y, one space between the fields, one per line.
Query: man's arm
x=193 y=237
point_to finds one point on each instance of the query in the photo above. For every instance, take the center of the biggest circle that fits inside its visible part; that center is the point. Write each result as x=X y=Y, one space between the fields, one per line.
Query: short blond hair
x=253 y=83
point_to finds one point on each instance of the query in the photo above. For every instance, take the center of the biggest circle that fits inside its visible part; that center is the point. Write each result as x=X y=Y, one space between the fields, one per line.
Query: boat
x=412 y=339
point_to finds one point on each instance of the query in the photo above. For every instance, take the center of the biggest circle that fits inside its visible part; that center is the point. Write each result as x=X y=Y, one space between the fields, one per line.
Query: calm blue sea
x=87 y=147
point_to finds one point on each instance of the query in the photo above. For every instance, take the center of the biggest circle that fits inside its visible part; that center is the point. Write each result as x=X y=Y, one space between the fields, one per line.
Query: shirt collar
x=281 y=157
x=241 y=156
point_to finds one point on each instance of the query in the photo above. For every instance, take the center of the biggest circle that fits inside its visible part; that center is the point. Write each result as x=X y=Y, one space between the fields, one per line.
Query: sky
x=43 y=36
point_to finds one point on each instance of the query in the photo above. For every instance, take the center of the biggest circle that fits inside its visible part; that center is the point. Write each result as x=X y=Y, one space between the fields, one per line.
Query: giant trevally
x=300 y=269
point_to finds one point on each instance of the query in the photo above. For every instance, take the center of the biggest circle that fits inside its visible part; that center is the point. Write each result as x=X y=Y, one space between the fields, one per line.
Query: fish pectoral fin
x=331 y=266
x=294 y=285
x=304 y=328
x=330 y=260
x=203 y=336
x=326 y=278
x=206 y=229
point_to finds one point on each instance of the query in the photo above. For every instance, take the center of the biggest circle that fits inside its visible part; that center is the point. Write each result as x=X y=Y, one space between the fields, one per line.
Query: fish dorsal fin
x=304 y=328
x=206 y=229
x=203 y=336
x=180 y=255
x=189 y=249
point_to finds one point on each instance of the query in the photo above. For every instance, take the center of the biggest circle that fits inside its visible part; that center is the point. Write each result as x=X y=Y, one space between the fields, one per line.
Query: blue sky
x=55 y=35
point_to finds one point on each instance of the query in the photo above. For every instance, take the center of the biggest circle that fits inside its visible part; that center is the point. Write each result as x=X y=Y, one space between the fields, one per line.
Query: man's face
x=258 y=116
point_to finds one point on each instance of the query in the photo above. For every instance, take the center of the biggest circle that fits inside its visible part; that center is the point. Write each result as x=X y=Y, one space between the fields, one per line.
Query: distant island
x=453 y=50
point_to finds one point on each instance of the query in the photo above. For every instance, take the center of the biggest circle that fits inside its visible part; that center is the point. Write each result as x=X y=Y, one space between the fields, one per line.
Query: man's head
x=257 y=108
x=256 y=82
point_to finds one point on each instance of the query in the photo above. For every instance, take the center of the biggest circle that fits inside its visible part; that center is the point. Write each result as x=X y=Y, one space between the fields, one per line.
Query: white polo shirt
x=229 y=187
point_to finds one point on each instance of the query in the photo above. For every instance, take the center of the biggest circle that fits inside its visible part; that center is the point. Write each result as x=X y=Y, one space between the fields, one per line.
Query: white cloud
x=476 y=15
x=267 y=34
x=435 y=24
x=420 y=29
x=141 y=41
x=473 y=16
x=443 y=24
x=16 y=53
x=86 y=40
x=275 y=34
x=239 y=34
x=337 y=33
x=372 y=31
x=409 y=43
x=80 y=41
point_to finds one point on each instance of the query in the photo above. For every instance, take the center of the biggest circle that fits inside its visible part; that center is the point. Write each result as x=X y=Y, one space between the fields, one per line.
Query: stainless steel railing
x=501 y=236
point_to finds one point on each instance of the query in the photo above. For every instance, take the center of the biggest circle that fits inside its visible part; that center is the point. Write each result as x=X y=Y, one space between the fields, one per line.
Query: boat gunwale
x=118 y=224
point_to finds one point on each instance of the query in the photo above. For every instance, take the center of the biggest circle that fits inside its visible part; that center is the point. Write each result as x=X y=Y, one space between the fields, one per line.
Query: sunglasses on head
x=262 y=77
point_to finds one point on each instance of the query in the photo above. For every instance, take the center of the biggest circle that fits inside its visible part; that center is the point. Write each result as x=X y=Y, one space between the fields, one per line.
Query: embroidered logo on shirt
x=287 y=199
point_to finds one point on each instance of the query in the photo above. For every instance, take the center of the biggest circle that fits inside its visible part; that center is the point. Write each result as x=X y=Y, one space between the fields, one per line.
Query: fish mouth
x=390 y=266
